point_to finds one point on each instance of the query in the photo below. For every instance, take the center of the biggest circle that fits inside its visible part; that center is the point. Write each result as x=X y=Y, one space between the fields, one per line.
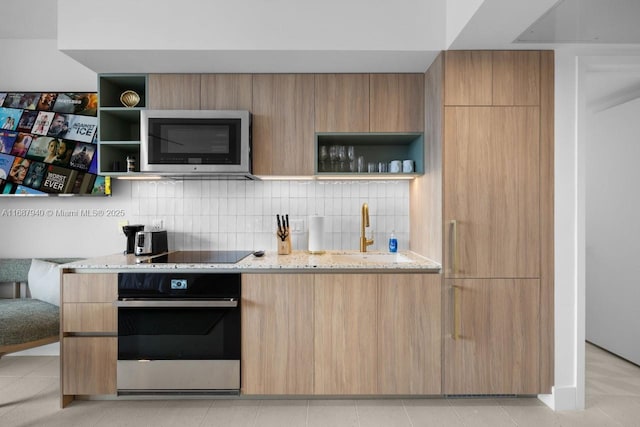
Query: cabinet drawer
x=90 y=287
x=89 y=365
x=89 y=317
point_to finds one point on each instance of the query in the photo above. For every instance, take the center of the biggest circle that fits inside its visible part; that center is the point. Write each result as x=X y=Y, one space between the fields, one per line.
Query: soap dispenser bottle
x=393 y=242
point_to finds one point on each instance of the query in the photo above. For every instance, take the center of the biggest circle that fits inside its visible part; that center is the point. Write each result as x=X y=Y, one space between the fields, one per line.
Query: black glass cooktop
x=200 y=257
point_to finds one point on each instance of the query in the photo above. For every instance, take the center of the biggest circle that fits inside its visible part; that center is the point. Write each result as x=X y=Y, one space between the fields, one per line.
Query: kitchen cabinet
x=118 y=126
x=277 y=334
x=89 y=365
x=345 y=334
x=381 y=115
x=492 y=78
x=409 y=334
x=342 y=102
x=493 y=344
x=174 y=91
x=397 y=103
x=226 y=92
x=493 y=148
x=341 y=334
x=491 y=192
x=283 y=117
x=89 y=334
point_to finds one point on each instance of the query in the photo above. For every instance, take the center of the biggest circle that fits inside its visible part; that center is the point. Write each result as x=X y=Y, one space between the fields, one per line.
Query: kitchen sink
x=377 y=258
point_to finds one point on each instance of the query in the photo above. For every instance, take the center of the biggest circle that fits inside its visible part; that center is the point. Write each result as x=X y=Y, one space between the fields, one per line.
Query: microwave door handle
x=230 y=303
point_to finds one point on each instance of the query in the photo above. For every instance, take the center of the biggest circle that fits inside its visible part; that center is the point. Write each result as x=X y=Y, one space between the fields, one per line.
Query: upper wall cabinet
x=226 y=92
x=516 y=78
x=467 y=78
x=283 y=117
x=174 y=91
x=396 y=102
x=492 y=78
x=342 y=102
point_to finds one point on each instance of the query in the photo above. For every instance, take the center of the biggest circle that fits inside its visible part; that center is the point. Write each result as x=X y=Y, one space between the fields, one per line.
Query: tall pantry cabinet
x=491 y=149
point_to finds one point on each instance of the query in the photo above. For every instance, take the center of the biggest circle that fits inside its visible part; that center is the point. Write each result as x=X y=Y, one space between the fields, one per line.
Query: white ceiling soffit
x=29 y=19
x=587 y=21
x=497 y=23
x=253 y=35
x=205 y=61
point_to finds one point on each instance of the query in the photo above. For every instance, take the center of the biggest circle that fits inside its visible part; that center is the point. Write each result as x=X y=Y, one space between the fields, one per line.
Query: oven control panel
x=178 y=283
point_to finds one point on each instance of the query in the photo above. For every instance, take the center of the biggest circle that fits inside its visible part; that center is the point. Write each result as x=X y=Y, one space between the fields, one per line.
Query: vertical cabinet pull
x=456 y=312
x=454 y=246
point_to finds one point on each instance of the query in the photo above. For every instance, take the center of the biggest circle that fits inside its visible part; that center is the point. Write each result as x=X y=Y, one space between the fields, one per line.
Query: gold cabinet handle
x=454 y=246
x=456 y=312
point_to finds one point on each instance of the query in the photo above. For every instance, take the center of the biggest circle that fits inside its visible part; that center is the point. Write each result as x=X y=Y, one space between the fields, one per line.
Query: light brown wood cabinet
x=492 y=78
x=226 y=92
x=342 y=103
x=397 y=103
x=89 y=334
x=341 y=334
x=495 y=349
x=495 y=146
x=277 y=334
x=174 y=91
x=409 y=334
x=369 y=103
x=491 y=191
x=345 y=332
x=89 y=365
x=283 y=117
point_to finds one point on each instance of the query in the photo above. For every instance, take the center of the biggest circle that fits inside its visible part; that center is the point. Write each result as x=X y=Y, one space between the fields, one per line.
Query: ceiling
x=490 y=24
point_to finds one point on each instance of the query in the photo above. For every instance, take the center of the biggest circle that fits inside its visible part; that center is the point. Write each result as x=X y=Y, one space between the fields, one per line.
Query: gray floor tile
x=280 y=413
x=335 y=413
x=481 y=412
x=382 y=413
x=19 y=366
x=237 y=413
x=431 y=412
x=155 y=413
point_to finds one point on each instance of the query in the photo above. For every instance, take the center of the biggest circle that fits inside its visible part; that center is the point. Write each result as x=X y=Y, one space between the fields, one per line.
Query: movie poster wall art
x=48 y=144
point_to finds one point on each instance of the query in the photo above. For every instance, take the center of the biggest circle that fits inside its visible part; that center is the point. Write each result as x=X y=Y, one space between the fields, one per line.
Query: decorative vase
x=129 y=98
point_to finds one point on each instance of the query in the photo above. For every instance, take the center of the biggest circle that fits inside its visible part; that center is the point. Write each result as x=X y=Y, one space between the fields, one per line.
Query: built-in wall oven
x=178 y=333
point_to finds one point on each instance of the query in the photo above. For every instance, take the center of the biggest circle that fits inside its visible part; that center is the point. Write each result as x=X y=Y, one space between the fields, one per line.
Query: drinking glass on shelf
x=360 y=163
x=351 y=154
x=382 y=167
x=323 y=155
x=372 y=167
x=333 y=157
x=342 y=157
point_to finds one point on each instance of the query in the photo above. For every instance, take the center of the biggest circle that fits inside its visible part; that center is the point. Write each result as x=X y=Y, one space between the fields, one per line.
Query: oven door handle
x=175 y=303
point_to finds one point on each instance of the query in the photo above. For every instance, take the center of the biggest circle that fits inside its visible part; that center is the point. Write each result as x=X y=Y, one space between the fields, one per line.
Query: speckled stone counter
x=296 y=262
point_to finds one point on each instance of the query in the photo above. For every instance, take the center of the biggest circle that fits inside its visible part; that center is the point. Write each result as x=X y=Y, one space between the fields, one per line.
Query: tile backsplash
x=212 y=215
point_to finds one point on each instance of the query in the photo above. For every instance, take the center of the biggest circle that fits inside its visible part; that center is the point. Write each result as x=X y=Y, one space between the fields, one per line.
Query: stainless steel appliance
x=192 y=143
x=130 y=231
x=151 y=242
x=178 y=333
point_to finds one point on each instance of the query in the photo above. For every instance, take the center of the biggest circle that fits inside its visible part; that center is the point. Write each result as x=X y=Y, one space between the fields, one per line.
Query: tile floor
x=29 y=397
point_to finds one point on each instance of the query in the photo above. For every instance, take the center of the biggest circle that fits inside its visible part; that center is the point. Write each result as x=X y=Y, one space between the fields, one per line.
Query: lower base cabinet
x=277 y=334
x=492 y=337
x=341 y=334
x=89 y=365
x=345 y=332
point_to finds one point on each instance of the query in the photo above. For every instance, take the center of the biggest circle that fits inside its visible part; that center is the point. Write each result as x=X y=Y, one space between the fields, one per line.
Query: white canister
x=407 y=166
x=316 y=234
x=395 y=166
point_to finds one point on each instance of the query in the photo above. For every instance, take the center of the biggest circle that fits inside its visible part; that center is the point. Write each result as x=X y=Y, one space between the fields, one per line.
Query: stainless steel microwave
x=186 y=143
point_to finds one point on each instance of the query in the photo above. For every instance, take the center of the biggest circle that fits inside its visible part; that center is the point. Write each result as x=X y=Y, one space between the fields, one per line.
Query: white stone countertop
x=271 y=262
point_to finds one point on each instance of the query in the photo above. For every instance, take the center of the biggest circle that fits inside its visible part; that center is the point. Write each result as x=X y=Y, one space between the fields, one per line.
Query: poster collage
x=48 y=144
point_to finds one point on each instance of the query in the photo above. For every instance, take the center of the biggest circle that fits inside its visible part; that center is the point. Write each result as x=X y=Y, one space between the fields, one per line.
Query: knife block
x=284 y=246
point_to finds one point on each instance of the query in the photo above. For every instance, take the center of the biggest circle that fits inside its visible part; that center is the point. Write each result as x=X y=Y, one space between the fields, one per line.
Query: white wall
x=613 y=230
x=458 y=14
x=38 y=65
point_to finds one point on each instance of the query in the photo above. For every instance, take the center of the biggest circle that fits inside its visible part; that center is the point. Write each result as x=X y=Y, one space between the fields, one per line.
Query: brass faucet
x=364 y=242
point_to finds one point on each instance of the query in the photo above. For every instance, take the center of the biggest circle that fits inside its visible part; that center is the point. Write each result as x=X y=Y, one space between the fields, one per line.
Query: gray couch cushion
x=25 y=320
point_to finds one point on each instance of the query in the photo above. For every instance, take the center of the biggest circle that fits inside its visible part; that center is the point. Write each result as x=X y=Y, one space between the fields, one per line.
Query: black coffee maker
x=130 y=231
